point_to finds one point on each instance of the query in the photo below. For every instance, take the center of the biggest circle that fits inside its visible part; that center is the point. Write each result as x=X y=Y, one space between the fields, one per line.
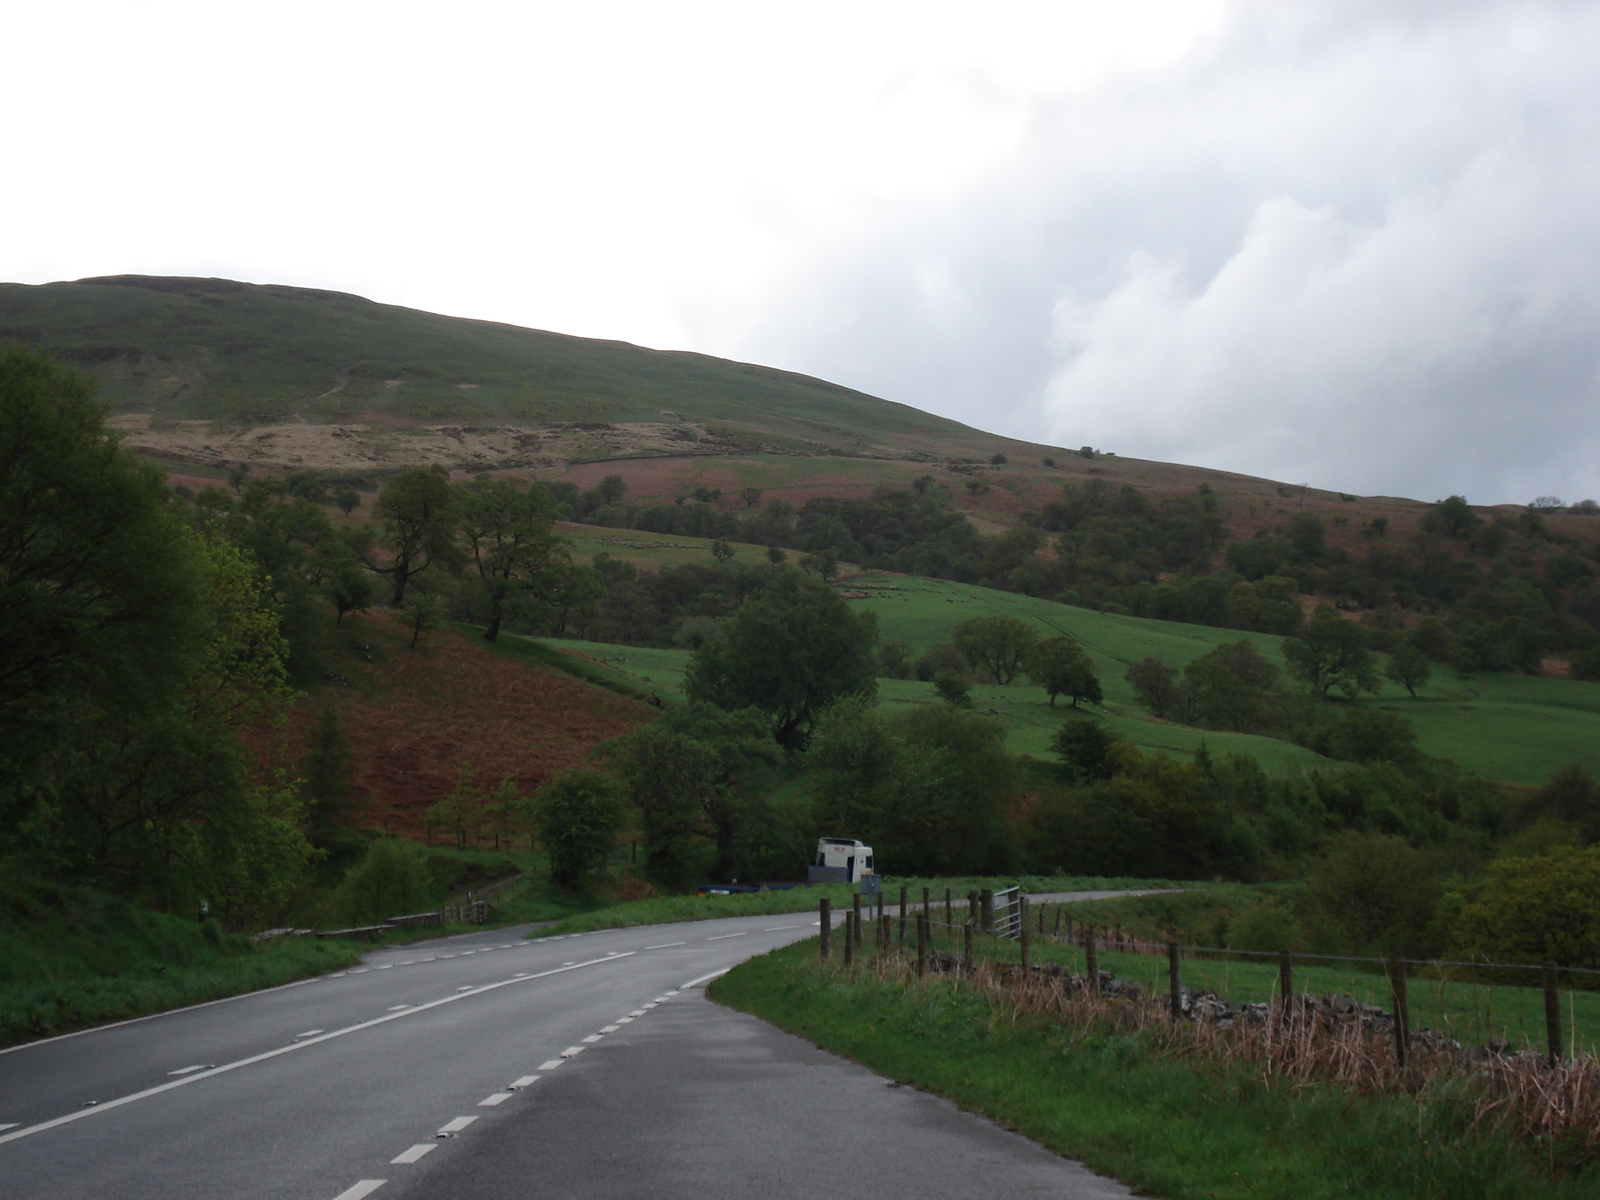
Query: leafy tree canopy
x=791 y=651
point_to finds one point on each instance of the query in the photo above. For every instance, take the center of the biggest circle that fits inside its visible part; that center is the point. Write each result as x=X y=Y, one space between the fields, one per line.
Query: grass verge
x=1168 y=1126
x=72 y=957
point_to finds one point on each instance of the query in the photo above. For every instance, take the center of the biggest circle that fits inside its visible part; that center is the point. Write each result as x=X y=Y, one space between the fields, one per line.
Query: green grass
x=243 y=352
x=1168 y=1127
x=71 y=957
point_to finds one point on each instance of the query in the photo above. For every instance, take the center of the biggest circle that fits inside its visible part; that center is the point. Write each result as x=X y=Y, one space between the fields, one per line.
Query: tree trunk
x=491 y=632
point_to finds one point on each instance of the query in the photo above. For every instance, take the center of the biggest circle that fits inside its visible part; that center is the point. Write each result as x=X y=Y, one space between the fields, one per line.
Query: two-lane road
x=584 y=1066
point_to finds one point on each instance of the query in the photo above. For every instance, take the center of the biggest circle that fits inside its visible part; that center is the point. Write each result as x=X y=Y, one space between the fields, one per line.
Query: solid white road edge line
x=363 y=1187
x=152 y=1016
x=704 y=979
x=289 y=1049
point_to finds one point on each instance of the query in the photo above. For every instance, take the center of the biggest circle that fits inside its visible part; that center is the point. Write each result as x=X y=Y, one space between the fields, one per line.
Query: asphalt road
x=590 y=1067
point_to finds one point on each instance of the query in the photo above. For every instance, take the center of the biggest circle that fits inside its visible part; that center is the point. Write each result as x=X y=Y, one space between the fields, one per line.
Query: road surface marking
x=416 y=1152
x=457 y=1125
x=646 y=1008
x=11 y=1125
x=357 y=971
x=525 y=1081
x=724 y=936
x=467 y=987
x=705 y=978
x=519 y=975
x=666 y=945
x=674 y=992
x=593 y=1038
x=385 y=967
x=364 y=1187
x=186 y=1070
x=308 y=1033
x=410 y=962
x=566 y=964
x=491 y=1101
x=775 y=928
x=552 y=1064
x=609 y=1028
x=638 y=1012
x=398 y=1007
x=624 y=1020
x=572 y=1052
x=289 y=1049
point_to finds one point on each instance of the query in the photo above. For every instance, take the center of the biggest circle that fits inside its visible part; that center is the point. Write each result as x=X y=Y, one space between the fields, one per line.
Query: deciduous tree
x=791 y=651
x=1330 y=653
x=1060 y=666
x=1000 y=644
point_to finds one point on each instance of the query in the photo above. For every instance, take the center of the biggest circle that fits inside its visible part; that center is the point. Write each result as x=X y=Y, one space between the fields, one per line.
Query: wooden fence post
x=856 y=921
x=986 y=909
x=927 y=909
x=1027 y=951
x=1174 y=980
x=966 y=938
x=1058 y=923
x=902 y=918
x=922 y=944
x=1091 y=954
x=825 y=912
x=1552 y=1010
x=1402 y=1014
x=1286 y=979
x=849 y=939
x=949 y=909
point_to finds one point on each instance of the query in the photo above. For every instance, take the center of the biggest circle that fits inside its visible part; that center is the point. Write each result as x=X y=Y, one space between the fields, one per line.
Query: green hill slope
x=257 y=354
x=1516 y=729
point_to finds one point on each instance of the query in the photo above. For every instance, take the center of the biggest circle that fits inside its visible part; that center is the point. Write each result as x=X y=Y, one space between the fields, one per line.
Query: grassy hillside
x=217 y=349
x=1513 y=728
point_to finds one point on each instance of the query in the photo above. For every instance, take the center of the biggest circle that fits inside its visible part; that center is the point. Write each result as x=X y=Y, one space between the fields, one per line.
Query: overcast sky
x=1346 y=243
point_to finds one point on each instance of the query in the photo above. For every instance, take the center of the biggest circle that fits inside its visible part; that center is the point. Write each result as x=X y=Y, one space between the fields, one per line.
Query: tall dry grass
x=1518 y=1093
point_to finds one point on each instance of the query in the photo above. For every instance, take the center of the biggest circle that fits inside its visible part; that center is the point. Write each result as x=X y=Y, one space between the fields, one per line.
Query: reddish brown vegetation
x=415 y=719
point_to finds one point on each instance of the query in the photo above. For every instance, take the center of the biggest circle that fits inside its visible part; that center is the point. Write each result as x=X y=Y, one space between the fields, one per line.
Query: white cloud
x=1354 y=245
x=1349 y=242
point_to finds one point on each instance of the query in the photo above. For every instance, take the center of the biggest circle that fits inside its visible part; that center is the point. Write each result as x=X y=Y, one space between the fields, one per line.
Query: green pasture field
x=1167 y=1125
x=654 y=551
x=1509 y=727
x=1514 y=728
x=1029 y=719
x=1471 y=1012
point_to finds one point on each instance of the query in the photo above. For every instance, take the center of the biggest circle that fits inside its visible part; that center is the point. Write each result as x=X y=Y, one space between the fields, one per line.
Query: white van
x=836 y=854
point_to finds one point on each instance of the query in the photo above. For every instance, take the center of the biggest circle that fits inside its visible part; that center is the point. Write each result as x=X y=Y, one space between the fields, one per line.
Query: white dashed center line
x=525 y=1081
x=609 y=1028
x=592 y=1039
x=491 y=1101
x=186 y=1070
x=551 y=1065
x=572 y=1051
x=775 y=928
x=364 y=1187
x=666 y=945
x=416 y=1152
x=624 y=1020
x=457 y=1125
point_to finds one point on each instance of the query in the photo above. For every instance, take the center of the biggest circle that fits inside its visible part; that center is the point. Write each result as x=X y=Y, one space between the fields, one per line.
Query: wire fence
x=1468 y=1008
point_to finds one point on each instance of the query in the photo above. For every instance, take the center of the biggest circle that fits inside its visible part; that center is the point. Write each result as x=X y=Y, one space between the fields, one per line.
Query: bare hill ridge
x=211 y=372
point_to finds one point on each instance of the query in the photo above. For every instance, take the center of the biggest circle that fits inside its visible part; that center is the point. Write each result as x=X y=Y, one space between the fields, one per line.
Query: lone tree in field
x=1060 y=667
x=999 y=644
x=418 y=512
x=1331 y=653
x=509 y=528
x=790 y=652
x=578 y=814
x=1408 y=667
